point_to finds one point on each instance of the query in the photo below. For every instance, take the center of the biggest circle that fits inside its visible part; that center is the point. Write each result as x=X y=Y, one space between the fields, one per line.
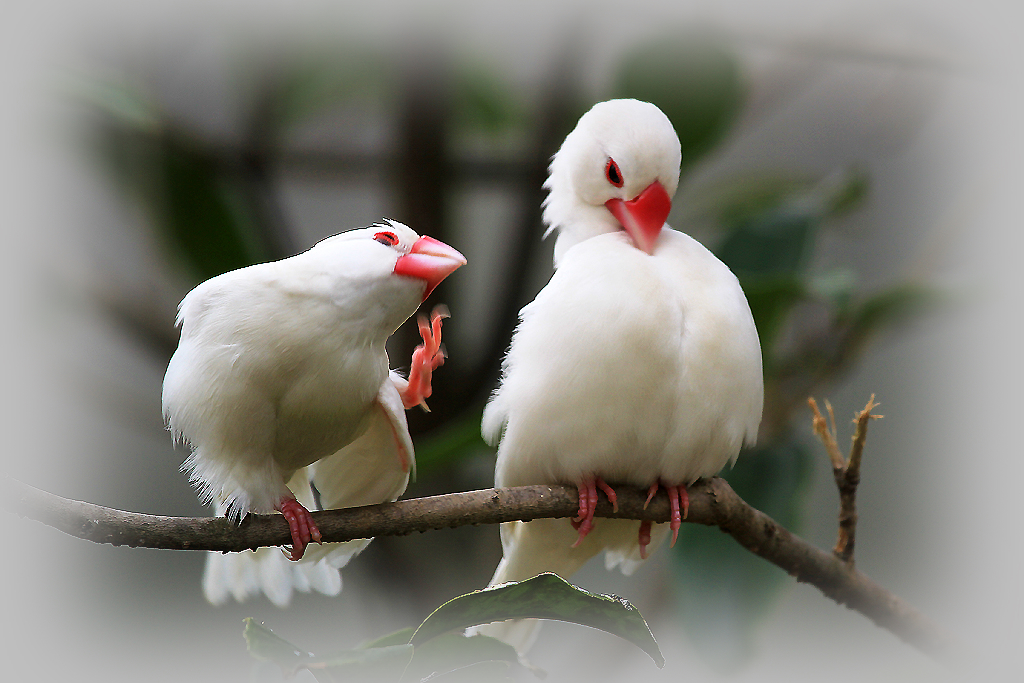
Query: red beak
x=429 y=260
x=643 y=216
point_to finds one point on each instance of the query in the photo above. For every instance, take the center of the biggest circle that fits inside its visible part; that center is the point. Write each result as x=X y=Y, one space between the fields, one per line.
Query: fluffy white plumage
x=281 y=385
x=638 y=363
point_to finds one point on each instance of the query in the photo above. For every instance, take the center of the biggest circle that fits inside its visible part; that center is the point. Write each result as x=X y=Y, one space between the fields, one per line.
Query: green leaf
x=265 y=645
x=376 y=663
x=496 y=672
x=847 y=191
x=695 y=79
x=772 y=222
x=202 y=210
x=771 y=300
x=129 y=105
x=482 y=101
x=775 y=243
x=306 y=87
x=399 y=637
x=745 y=197
x=836 y=286
x=450 y=652
x=724 y=590
x=890 y=306
x=546 y=596
x=372 y=665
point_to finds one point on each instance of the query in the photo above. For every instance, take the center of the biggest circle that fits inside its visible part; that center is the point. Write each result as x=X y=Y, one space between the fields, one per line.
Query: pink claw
x=679 y=504
x=300 y=524
x=584 y=519
x=645 y=538
x=426 y=358
x=608 y=491
x=650 y=494
x=676 y=520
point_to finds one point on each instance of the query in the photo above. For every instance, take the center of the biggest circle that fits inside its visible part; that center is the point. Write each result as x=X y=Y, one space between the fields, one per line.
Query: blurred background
x=854 y=164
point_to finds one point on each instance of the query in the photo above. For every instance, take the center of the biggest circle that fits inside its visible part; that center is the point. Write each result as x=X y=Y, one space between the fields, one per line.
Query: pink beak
x=644 y=215
x=429 y=260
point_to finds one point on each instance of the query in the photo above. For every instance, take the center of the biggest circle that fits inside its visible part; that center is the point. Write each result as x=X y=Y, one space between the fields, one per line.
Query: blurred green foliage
x=195 y=200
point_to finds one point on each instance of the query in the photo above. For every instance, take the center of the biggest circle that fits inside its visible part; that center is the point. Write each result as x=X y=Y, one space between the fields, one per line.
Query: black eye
x=611 y=172
x=388 y=238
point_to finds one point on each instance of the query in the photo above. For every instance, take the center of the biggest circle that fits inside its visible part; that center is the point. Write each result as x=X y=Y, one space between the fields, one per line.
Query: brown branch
x=845 y=470
x=712 y=503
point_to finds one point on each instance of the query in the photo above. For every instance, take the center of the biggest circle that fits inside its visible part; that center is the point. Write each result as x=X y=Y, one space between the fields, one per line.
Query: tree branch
x=845 y=471
x=712 y=503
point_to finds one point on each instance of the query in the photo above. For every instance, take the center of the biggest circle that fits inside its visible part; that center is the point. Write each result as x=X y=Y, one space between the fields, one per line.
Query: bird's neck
x=377 y=309
x=579 y=224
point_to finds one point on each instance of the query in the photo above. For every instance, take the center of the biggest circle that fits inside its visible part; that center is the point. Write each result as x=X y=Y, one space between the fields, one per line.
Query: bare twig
x=712 y=503
x=845 y=470
x=860 y=435
x=827 y=435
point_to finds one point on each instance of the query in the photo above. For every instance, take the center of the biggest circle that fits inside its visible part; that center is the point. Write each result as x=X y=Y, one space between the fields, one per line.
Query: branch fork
x=845 y=470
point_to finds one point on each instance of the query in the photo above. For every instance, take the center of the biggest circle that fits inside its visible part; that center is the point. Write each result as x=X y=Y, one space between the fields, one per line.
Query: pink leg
x=584 y=519
x=679 y=505
x=426 y=358
x=675 y=520
x=301 y=525
x=610 y=492
x=645 y=538
x=403 y=455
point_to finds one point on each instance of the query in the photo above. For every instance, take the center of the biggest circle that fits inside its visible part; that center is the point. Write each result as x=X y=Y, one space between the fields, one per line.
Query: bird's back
x=266 y=372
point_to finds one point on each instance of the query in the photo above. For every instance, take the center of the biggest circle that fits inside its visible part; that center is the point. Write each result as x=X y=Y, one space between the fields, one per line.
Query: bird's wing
x=375 y=467
x=372 y=469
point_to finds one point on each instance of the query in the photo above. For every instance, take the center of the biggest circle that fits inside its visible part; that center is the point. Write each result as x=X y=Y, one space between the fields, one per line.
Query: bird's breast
x=622 y=368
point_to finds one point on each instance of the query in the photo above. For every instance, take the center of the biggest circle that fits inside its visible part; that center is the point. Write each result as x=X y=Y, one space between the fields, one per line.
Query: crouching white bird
x=281 y=385
x=637 y=364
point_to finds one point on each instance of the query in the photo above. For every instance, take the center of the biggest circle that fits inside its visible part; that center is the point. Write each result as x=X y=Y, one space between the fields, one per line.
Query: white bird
x=281 y=386
x=637 y=364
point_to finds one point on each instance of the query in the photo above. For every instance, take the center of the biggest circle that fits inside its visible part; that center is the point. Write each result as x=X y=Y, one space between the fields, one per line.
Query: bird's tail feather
x=267 y=570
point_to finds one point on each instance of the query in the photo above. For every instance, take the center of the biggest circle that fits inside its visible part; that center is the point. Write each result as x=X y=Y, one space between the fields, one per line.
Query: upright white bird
x=281 y=385
x=638 y=363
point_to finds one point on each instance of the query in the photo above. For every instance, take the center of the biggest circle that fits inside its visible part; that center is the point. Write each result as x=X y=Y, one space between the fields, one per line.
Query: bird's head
x=617 y=170
x=386 y=262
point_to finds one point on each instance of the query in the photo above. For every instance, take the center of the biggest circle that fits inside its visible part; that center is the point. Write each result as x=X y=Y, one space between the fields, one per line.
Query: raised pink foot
x=679 y=505
x=301 y=525
x=426 y=358
x=584 y=519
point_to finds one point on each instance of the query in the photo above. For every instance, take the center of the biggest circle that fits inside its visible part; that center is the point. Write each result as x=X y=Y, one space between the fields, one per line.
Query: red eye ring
x=386 y=238
x=612 y=173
